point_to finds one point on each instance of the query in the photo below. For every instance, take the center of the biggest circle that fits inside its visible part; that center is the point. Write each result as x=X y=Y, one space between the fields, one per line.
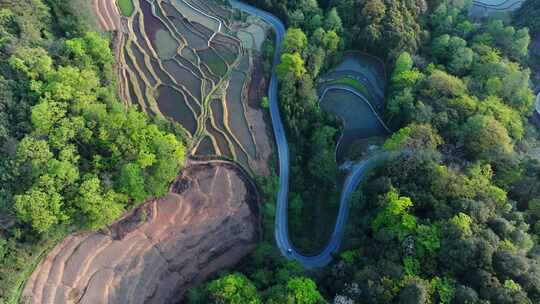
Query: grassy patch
x=217 y=66
x=126 y=7
x=355 y=84
x=19 y=262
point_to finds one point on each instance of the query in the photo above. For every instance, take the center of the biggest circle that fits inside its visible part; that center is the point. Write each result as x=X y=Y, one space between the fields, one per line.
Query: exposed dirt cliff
x=208 y=221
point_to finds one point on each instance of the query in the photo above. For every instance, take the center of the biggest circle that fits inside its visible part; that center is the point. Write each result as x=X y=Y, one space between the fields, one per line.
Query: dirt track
x=155 y=253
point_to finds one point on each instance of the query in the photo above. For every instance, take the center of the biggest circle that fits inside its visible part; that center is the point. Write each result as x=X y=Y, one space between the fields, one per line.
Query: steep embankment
x=107 y=14
x=155 y=253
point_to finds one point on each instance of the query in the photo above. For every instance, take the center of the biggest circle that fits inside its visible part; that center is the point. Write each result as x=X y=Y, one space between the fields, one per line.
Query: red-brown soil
x=107 y=14
x=208 y=221
x=255 y=118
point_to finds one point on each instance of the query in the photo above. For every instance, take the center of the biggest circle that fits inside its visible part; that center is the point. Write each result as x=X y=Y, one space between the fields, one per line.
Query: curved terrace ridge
x=206 y=15
x=499 y=5
x=361 y=96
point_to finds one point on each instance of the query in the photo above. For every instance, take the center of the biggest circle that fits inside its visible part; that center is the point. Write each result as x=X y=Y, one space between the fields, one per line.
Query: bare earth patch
x=208 y=221
x=108 y=15
x=256 y=121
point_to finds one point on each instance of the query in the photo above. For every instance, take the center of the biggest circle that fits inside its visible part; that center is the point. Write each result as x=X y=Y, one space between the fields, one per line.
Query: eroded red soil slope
x=156 y=252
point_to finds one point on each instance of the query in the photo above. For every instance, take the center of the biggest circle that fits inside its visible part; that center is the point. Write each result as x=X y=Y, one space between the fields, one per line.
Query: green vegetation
x=453 y=215
x=234 y=288
x=528 y=16
x=197 y=85
x=291 y=63
x=268 y=279
x=238 y=289
x=71 y=156
x=126 y=7
x=71 y=18
x=353 y=83
x=312 y=134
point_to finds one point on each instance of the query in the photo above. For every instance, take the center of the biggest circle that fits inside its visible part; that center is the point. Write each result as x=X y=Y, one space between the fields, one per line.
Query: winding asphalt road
x=356 y=175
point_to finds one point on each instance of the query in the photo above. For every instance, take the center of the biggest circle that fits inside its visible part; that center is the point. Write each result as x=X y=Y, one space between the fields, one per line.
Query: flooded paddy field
x=366 y=71
x=173 y=104
x=354 y=92
x=186 y=61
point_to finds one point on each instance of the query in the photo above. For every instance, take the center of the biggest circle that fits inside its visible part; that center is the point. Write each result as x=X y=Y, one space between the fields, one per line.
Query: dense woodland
x=71 y=156
x=452 y=214
x=527 y=16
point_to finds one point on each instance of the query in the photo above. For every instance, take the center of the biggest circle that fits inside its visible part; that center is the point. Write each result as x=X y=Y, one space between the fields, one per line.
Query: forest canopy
x=72 y=156
x=452 y=214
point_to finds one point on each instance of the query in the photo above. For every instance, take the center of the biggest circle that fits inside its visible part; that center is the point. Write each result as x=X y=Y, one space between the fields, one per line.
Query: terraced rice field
x=501 y=5
x=358 y=119
x=364 y=75
x=190 y=61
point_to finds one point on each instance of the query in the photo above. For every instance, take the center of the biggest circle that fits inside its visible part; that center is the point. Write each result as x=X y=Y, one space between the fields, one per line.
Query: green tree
x=322 y=165
x=233 y=289
x=316 y=61
x=32 y=62
x=395 y=215
x=265 y=103
x=534 y=207
x=414 y=136
x=295 y=41
x=463 y=222
x=439 y=46
x=462 y=60
x=486 y=138
x=374 y=11
x=414 y=293
x=403 y=63
x=131 y=182
x=98 y=207
x=333 y=21
x=40 y=208
x=440 y=84
x=331 y=41
x=46 y=114
x=507 y=116
x=291 y=63
x=32 y=156
x=445 y=289
x=297 y=18
x=428 y=238
x=301 y=290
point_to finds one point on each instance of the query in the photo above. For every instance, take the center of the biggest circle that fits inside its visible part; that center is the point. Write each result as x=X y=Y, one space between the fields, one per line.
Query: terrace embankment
x=208 y=221
x=255 y=117
x=192 y=62
x=354 y=91
x=107 y=14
